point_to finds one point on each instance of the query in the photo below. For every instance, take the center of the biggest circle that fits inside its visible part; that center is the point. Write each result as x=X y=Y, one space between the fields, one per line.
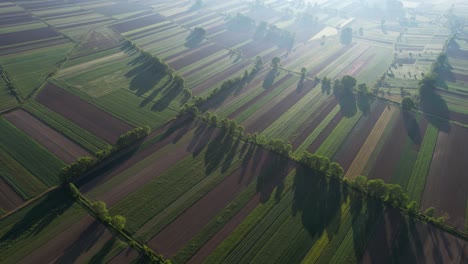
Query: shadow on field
x=52 y=206
x=100 y=256
x=83 y=244
x=144 y=77
x=270 y=78
x=365 y=212
x=319 y=199
x=273 y=171
x=435 y=109
x=363 y=103
x=412 y=127
x=347 y=102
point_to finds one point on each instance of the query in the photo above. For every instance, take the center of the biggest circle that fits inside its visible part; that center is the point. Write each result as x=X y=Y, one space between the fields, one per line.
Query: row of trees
x=115 y=223
x=132 y=136
x=83 y=164
x=394 y=195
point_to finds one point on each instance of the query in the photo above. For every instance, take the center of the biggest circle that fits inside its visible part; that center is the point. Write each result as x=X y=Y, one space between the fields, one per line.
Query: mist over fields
x=209 y=131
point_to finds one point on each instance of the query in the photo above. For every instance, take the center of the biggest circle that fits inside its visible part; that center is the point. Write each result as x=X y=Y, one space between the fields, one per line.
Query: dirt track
x=56 y=143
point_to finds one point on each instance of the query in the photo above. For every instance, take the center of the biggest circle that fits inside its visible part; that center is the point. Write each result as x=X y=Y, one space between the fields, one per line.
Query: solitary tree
x=407 y=103
x=346 y=36
x=119 y=222
x=377 y=188
x=275 y=62
x=100 y=209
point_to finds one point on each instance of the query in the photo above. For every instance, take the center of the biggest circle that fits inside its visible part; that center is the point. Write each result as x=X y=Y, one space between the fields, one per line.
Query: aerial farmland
x=253 y=131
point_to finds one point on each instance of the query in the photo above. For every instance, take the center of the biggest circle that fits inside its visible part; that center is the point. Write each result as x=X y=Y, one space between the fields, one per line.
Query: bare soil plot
x=447 y=184
x=194 y=57
x=82 y=113
x=348 y=151
x=56 y=143
x=138 y=23
x=9 y=199
x=371 y=142
x=27 y=36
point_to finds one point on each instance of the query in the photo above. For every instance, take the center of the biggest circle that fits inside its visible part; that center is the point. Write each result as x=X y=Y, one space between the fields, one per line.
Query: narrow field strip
x=421 y=168
x=366 y=150
x=311 y=138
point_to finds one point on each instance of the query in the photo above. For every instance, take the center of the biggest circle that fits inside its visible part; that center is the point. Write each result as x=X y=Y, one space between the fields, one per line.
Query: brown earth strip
x=348 y=151
x=227 y=229
x=369 y=144
x=447 y=184
x=265 y=120
x=34 y=45
x=195 y=57
x=192 y=221
x=83 y=113
x=316 y=118
x=391 y=152
x=157 y=40
x=229 y=38
x=65 y=14
x=9 y=199
x=56 y=143
x=151 y=31
x=47 y=4
x=138 y=23
x=325 y=133
x=7 y=21
x=74 y=25
x=17 y=37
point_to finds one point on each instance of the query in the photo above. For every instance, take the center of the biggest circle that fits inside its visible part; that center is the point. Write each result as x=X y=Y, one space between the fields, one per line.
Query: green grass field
x=69 y=129
x=29 y=154
x=28 y=70
x=421 y=167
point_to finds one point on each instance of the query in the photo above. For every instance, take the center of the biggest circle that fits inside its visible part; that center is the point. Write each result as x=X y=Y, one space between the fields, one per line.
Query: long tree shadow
x=318 y=199
x=435 y=109
x=155 y=93
x=86 y=240
x=363 y=103
x=270 y=78
x=412 y=127
x=271 y=176
x=39 y=217
x=144 y=77
x=168 y=95
x=365 y=211
x=347 y=102
x=216 y=151
x=100 y=256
